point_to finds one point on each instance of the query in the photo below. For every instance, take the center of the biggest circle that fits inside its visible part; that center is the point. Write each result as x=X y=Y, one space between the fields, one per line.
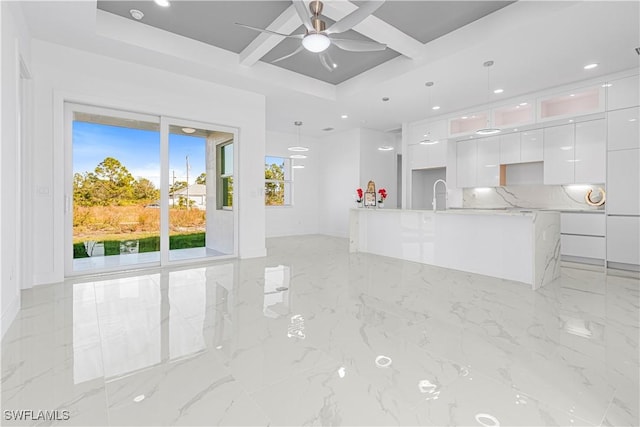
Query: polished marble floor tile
x=314 y=335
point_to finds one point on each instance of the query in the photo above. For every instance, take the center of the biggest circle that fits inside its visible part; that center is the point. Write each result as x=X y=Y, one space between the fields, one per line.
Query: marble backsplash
x=531 y=196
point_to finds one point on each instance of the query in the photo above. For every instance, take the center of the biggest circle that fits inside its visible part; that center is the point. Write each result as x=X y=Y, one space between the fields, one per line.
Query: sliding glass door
x=143 y=190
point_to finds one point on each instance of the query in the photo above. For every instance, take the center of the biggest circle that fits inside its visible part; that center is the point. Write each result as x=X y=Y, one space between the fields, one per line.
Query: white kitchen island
x=515 y=245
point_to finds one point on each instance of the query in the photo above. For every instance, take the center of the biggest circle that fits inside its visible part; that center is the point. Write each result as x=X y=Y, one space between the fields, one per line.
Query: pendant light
x=488 y=130
x=427 y=136
x=298 y=147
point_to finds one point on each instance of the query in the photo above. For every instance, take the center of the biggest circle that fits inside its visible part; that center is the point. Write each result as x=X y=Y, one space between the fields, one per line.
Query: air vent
x=328 y=129
x=638 y=50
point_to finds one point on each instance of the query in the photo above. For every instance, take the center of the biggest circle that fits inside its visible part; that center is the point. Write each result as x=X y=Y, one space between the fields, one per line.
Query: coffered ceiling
x=536 y=45
x=414 y=23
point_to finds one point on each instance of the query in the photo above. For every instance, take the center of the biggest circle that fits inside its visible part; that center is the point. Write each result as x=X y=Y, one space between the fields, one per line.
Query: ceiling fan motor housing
x=316 y=9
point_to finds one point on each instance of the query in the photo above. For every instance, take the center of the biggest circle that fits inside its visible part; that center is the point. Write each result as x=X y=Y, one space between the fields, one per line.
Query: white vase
x=381 y=205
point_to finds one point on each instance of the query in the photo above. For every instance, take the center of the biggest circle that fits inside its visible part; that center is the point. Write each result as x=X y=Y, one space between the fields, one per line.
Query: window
x=225 y=176
x=278 y=182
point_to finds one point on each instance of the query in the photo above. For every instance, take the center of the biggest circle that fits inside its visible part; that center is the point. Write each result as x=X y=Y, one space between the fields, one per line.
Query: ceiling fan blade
x=300 y=48
x=327 y=62
x=292 y=36
x=358 y=45
x=355 y=17
x=303 y=13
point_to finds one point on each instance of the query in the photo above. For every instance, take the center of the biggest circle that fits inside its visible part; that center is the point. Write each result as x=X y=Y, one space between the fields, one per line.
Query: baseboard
x=581 y=266
x=622 y=269
x=582 y=260
x=9 y=315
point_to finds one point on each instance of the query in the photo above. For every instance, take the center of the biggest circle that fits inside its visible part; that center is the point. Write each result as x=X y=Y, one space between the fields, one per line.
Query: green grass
x=148 y=244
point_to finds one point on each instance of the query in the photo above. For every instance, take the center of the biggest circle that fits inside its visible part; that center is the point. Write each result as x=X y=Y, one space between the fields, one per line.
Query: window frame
x=287 y=182
x=221 y=176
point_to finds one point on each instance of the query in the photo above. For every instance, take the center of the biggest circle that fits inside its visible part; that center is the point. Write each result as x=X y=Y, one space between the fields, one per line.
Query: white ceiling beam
x=287 y=22
x=376 y=29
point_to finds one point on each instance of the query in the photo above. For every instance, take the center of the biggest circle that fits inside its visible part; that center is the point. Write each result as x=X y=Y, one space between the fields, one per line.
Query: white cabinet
x=510 y=148
x=558 y=154
x=466 y=164
x=531 y=143
x=590 y=152
x=433 y=155
x=588 y=223
x=623 y=182
x=623 y=93
x=623 y=129
x=623 y=239
x=575 y=153
x=582 y=236
x=488 y=167
x=575 y=103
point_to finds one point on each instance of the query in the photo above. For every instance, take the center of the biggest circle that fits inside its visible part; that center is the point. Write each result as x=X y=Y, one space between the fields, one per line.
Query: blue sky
x=138 y=150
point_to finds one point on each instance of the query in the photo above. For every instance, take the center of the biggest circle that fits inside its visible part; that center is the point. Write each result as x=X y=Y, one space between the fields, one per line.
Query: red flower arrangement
x=383 y=195
x=360 y=194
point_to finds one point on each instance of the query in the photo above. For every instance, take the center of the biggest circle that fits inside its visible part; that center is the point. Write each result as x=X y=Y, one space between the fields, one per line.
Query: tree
x=202 y=178
x=274 y=185
x=177 y=186
x=115 y=182
x=143 y=189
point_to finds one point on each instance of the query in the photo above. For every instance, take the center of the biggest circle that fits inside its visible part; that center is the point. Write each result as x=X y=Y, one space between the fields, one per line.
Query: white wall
x=14 y=43
x=339 y=179
x=379 y=166
x=303 y=216
x=62 y=73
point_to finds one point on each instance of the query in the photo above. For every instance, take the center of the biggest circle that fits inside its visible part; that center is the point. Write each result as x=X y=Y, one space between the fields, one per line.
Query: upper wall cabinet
x=467 y=160
x=531 y=143
x=577 y=103
x=559 y=143
x=623 y=129
x=521 y=147
x=623 y=93
x=590 y=152
x=488 y=164
x=509 y=148
x=511 y=116
x=468 y=124
x=575 y=153
x=429 y=154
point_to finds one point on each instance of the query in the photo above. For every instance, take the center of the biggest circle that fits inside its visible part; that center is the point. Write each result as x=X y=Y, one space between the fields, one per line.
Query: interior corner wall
x=379 y=166
x=339 y=179
x=14 y=44
x=302 y=216
x=61 y=73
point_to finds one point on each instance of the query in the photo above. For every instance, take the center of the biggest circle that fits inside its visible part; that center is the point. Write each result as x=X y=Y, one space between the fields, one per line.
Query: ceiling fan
x=318 y=37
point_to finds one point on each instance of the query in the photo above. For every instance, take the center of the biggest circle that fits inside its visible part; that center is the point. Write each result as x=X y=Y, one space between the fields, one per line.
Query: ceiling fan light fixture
x=316 y=42
x=163 y=3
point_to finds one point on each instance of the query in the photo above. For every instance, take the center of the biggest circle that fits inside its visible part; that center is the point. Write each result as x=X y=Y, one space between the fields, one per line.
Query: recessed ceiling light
x=344 y=116
x=566 y=148
x=515 y=130
x=188 y=130
x=464 y=117
x=139 y=398
x=571 y=121
x=163 y=3
x=522 y=104
x=385 y=99
x=298 y=166
x=136 y=14
x=427 y=142
x=573 y=94
x=385 y=148
x=498 y=91
x=297 y=156
x=334 y=65
x=435 y=107
x=298 y=149
x=590 y=66
x=632 y=120
x=607 y=85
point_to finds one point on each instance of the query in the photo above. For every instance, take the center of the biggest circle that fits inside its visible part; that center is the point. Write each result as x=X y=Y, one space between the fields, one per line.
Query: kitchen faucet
x=435 y=184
